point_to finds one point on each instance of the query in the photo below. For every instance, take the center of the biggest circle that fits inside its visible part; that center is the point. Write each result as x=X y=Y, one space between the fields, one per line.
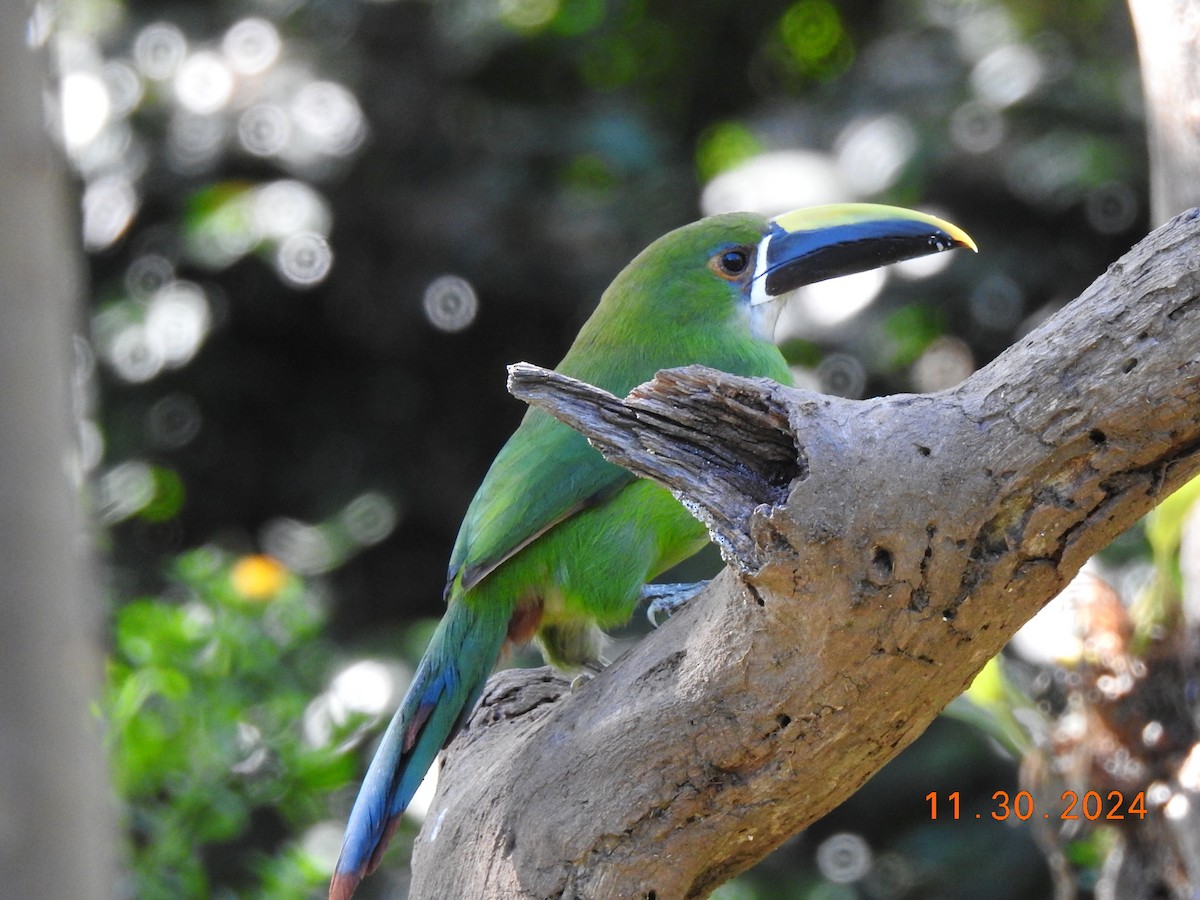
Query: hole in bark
x=949 y=614
x=883 y=563
x=1129 y=365
x=784 y=720
x=924 y=451
x=1096 y=436
x=651 y=895
x=756 y=595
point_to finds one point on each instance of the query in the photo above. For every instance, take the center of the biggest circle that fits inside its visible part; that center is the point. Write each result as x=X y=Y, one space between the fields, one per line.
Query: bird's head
x=761 y=261
x=705 y=292
x=809 y=245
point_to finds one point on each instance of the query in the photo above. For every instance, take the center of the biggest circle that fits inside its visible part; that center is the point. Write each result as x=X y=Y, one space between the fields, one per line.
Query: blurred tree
x=1169 y=48
x=56 y=836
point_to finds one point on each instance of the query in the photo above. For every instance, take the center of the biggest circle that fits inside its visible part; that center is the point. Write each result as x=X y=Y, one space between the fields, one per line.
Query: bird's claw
x=580 y=680
x=668 y=599
x=589 y=671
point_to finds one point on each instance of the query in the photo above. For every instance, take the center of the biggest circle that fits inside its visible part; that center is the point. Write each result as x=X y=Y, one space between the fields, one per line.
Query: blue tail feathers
x=445 y=687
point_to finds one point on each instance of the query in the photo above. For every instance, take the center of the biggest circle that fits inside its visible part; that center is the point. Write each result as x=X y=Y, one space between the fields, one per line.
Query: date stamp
x=1092 y=806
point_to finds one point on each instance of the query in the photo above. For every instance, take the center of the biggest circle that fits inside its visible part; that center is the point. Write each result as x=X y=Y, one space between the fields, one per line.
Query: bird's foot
x=667 y=599
x=580 y=680
x=590 y=671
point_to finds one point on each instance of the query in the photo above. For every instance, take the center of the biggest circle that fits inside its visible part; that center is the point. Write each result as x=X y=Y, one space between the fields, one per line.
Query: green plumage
x=565 y=527
x=557 y=543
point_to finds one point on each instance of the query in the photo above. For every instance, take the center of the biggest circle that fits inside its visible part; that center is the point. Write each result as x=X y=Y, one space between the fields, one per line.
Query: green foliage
x=207 y=690
x=910 y=331
x=1159 y=604
x=722 y=146
x=995 y=706
x=813 y=41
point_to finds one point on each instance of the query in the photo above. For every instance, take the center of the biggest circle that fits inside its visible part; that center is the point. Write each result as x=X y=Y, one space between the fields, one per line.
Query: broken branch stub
x=722 y=444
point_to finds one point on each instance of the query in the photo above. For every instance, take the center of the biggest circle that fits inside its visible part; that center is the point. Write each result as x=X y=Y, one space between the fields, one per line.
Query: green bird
x=558 y=543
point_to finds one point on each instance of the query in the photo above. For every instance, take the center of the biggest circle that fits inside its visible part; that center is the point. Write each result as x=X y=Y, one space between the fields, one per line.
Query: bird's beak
x=809 y=245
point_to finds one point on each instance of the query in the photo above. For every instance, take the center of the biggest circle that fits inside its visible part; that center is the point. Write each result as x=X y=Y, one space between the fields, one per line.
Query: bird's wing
x=546 y=473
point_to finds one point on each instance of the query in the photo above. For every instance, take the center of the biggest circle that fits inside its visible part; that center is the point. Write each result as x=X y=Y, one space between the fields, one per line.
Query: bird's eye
x=732 y=263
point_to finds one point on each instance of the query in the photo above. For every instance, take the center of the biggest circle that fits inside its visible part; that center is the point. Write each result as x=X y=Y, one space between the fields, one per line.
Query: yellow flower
x=258 y=577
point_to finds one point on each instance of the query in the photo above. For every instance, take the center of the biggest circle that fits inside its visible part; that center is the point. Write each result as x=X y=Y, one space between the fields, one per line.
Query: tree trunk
x=1168 y=37
x=880 y=552
x=56 y=824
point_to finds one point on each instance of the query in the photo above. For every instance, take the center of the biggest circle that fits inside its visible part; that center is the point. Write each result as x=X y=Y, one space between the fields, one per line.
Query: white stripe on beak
x=764 y=309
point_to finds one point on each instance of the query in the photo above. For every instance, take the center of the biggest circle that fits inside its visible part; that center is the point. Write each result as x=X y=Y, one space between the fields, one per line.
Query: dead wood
x=880 y=552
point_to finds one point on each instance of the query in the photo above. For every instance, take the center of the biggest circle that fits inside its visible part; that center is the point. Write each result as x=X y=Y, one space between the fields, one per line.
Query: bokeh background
x=318 y=230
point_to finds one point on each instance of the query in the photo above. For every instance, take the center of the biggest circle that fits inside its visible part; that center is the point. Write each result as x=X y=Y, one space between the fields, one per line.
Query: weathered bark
x=881 y=552
x=56 y=821
x=1168 y=38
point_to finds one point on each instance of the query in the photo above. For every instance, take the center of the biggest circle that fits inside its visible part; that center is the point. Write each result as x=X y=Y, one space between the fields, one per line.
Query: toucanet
x=558 y=543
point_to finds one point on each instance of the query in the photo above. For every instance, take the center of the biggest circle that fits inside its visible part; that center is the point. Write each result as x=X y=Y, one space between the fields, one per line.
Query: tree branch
x=881 y=552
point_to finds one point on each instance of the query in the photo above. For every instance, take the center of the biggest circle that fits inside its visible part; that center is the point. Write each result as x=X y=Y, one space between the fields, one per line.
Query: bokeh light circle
x=158 y=50
x=450 y=303
x=844 y=857
x=304 y=259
